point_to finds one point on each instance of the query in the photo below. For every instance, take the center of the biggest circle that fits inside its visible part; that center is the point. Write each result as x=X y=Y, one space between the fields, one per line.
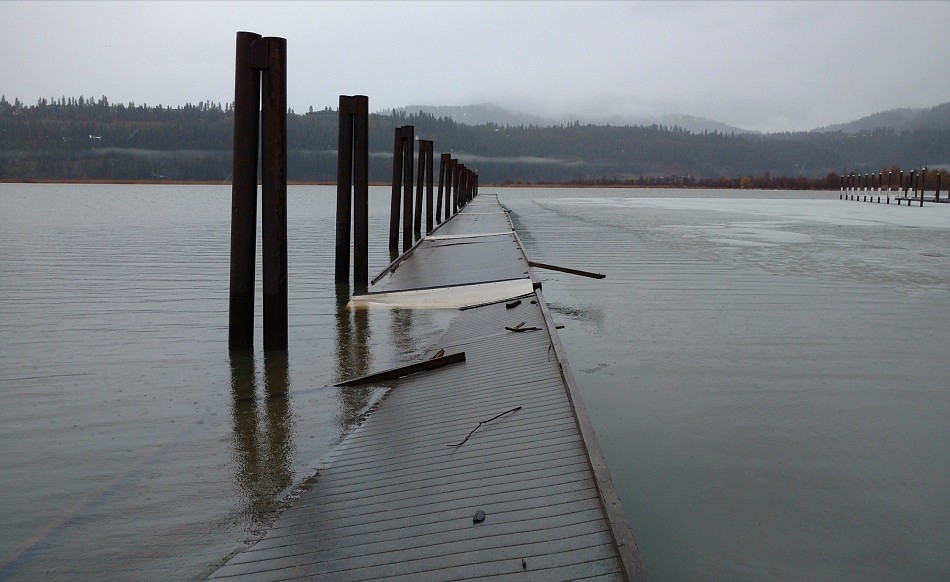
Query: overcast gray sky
x=769 y=66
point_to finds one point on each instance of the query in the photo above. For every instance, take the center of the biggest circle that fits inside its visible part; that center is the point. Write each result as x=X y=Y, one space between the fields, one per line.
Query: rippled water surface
x=133 y=444
x=767 y=373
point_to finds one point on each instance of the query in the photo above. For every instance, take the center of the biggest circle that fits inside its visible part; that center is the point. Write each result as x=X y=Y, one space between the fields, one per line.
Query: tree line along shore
x=79 y=140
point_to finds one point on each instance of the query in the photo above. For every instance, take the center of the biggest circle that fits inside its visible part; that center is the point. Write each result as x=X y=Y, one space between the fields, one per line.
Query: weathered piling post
x=260 y=106
x=274 y=192
x=247 y=91
x=890 y=175
x=456 y=179
x=352 y=191
x=937 y=191
x=403 y=157
x=923 y=184
x=429 y=190
x=443 y=166
x=468 y=185
x=409 y=145
x=398 y=165
x=423 y=180
x=450 y=175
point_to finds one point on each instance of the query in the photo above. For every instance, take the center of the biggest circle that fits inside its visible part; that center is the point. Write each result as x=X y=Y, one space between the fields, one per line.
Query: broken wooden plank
x=401 y=371
x=566 y=270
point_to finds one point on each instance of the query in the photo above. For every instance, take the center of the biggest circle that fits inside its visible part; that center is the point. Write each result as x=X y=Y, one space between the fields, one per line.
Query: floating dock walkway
x=487 y=468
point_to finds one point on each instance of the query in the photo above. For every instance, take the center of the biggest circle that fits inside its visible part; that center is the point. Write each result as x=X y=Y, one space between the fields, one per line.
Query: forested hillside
x=86 y=139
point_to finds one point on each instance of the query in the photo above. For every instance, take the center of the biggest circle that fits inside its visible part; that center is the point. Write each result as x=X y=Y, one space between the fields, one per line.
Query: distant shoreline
x=331 y=183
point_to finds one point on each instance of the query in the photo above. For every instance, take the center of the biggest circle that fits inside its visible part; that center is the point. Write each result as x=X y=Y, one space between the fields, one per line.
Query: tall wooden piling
x=409 y=150
x=460 y=186
x=450 y=187
x=247 y=80
x=260 y=105
x=352 y=190
x=403 y=145
x=428 y=183
x=344 y=196
x=396 y=200
x=443 y=166
x=423 y=182
x=274 y=192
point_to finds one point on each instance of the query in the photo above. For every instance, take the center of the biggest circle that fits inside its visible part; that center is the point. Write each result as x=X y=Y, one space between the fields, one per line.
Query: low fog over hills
x=904 y=119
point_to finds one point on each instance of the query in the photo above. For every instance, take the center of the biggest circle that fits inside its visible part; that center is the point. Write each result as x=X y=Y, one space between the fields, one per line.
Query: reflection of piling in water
x=263 y=455
x=278 y=443
x=352 y=355
x=352 y=337
x=402 y=329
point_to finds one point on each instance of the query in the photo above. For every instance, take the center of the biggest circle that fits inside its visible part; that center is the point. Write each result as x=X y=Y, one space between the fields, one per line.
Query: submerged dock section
x=484 y=468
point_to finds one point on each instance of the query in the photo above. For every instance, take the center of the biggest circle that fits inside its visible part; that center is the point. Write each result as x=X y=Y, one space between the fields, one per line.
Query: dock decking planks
x=397 y=501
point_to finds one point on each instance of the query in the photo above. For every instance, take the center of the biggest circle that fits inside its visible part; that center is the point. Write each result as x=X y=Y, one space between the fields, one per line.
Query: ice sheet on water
x=835 y=212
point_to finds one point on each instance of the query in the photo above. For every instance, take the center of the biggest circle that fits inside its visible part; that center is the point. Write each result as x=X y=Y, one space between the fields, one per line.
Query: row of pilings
x=457 y=186
x=260 y=127
x=911 y=187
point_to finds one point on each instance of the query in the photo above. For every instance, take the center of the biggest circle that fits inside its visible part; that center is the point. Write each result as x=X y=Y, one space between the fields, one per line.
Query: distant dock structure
x=911 y=189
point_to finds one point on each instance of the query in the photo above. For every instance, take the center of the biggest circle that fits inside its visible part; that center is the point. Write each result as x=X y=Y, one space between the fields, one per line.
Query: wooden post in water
x=398 y=166
x=923 y=185
x=260 y=104
x=361 y=193
x=455 y=185
x=429 y=177
x=463 y=185
x=352 y=191
x=247 y=91
x=409 y=147
x=423 y=181
x=443 y=166
x=344 y=195
x=469 y=185
x=937 y=192
x=274 y=192
x=450 y=187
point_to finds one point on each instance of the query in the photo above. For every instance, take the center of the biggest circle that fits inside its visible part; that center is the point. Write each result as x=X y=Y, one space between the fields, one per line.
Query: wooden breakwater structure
x=911 y=188
x=480 y=461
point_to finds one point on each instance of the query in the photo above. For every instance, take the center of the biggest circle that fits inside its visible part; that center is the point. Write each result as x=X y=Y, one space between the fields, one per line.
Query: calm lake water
x=767 y=374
